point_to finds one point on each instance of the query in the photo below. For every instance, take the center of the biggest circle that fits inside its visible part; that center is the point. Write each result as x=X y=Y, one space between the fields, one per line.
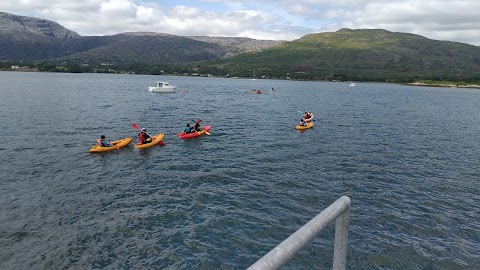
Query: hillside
x=26 y=38
x=146 y=49
x=361 y=55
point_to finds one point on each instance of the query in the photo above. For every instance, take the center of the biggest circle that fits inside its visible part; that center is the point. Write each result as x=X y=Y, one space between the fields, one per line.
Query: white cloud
x=121 y=8
x=444 y=20
x=261 y=19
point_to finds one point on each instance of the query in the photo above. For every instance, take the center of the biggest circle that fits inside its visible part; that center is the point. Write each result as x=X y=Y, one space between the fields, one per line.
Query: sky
x=449 y=20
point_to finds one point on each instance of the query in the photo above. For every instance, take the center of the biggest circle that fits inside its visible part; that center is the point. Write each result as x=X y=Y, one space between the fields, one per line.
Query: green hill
x=376 y=55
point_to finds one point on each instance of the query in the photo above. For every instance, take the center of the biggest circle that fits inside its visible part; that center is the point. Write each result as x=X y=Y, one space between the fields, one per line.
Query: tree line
x=203 y=69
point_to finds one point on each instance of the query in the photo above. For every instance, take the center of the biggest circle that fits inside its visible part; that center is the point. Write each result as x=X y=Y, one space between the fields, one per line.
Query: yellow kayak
x=157 y=139
x=116 y=145
x=309 y=125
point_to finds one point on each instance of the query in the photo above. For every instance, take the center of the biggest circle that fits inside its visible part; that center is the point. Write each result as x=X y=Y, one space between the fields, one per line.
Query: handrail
x=281 y=254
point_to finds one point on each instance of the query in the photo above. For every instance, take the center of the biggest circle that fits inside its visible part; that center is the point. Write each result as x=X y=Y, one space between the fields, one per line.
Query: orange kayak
x=157 y=139
x=116 y=145
x=309 y=125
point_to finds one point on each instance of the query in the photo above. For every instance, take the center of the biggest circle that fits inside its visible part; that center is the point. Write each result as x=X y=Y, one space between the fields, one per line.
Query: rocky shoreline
x=445 y=85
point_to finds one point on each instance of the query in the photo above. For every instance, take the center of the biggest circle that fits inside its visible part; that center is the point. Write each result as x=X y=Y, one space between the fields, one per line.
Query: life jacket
x=141 y=138
x=188 y=130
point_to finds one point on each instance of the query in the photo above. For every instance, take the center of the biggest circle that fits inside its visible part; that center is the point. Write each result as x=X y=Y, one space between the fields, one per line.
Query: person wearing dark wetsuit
x=197 y=127
x=143 y=137
x=302 y=122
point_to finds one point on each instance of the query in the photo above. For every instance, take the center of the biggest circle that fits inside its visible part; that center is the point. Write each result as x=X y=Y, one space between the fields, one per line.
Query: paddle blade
x=208 y=133
x=161 y=143
x=135 y=126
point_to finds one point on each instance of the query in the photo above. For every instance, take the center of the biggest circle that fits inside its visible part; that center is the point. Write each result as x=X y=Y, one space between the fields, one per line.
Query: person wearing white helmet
x=143 y=137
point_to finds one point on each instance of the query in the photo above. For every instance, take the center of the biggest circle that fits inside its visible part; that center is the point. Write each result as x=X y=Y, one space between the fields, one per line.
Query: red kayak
x=195 y=134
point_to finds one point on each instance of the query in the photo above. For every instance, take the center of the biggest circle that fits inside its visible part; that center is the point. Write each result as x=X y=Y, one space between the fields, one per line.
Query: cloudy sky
x=453 y=20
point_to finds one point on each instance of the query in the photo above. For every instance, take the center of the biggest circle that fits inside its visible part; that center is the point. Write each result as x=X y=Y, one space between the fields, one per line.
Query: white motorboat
x=352 y=84
x=162 y=87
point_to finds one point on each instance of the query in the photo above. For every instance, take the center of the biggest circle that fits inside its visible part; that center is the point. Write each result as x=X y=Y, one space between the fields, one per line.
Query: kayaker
x=143 y=137
x=302 y=122
x=308 y=116
x=101 y=142
x=197 y=127
x=188 y=129
x=311 y=116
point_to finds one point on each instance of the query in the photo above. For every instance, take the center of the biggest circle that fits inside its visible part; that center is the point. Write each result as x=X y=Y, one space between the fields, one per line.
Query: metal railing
x=281 y=254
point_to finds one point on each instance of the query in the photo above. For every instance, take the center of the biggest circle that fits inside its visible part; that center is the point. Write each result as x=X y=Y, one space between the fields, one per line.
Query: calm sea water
x=408 y=157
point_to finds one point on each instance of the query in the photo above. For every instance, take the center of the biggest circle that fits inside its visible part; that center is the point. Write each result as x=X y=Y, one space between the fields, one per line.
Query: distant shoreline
x=447 y=85
x=474 y=86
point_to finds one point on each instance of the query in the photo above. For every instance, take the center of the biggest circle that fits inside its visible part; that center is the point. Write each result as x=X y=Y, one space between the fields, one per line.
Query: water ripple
x=406 y=156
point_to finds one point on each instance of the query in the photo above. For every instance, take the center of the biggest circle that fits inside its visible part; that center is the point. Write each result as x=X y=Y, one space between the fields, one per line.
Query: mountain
x=26 y=38
x=32 y=39
x=363 y=54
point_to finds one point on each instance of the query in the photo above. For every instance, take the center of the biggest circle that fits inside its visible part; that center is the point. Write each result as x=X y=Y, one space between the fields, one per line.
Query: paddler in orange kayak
x=307 y=117
x=101 y=142
x=143 y=137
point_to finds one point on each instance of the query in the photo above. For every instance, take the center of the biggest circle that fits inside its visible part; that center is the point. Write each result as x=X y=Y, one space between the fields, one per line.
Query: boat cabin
x=163 y=84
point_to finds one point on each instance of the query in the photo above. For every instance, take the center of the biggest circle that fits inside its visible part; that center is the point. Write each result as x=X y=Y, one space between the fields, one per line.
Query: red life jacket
x=140 y=138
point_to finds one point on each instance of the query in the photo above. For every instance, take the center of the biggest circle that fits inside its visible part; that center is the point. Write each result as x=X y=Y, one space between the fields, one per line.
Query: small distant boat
x=255 y=91
x=162 y=87
x=352 y=84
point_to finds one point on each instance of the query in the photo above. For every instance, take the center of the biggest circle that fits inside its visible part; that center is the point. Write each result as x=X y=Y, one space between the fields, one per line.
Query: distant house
x=15 y=67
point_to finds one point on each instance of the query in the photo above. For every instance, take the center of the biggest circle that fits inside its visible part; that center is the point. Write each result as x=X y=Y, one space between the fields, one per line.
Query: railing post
x=341 y=239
